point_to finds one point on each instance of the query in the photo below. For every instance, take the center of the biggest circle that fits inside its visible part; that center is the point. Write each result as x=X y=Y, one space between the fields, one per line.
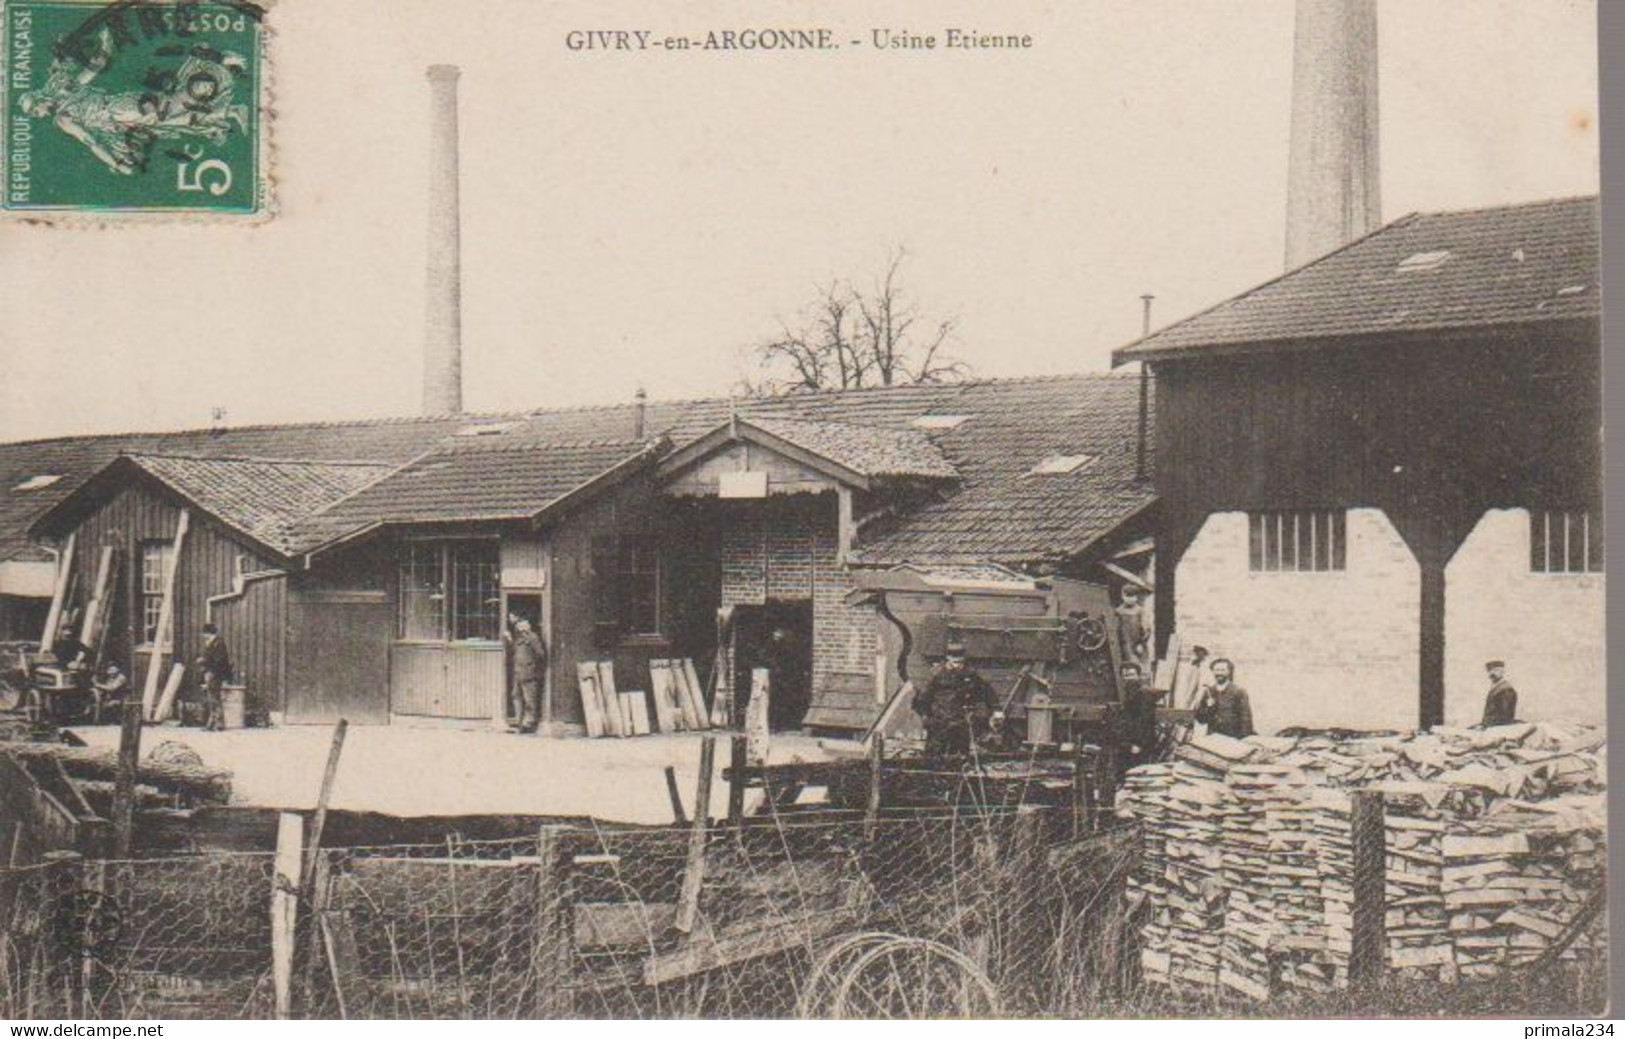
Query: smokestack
x=1332 y=192
x=443 y=321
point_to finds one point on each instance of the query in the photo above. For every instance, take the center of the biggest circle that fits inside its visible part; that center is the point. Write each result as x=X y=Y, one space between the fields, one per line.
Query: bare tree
x=851 y=337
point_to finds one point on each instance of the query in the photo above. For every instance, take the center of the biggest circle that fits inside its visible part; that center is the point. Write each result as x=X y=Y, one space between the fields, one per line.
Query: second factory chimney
x=1332 y=178
x=443 y=322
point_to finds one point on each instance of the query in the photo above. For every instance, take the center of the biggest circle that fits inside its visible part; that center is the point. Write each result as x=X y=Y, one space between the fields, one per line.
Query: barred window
x=450 y=589
x=157 y=559
x=1565 y=541
x=1297 y=540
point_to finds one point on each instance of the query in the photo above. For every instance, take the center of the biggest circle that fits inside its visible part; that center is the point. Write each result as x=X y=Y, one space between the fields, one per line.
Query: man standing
x=214 y=671
x=1137 y=718
x=957 y=705
x=529 y=671
x=1501 y=704
x=1224 y=707
x=1133 y=635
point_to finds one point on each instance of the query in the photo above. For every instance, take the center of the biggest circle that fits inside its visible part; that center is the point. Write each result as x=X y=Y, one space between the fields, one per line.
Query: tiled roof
x=260 y=497
x=75 y=459
x=1427 y=272
x=479 y=479
x=1001 y=513
x=870 y=450
x=994 y=512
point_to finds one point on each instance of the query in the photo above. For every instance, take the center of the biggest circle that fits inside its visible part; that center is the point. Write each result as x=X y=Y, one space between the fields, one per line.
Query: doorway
x=777 y=635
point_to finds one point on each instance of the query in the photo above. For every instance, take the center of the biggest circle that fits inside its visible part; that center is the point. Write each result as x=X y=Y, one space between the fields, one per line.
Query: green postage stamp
x=134 y=108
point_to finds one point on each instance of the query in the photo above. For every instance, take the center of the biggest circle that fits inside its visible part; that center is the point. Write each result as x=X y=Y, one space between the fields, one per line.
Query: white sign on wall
x=742 y=485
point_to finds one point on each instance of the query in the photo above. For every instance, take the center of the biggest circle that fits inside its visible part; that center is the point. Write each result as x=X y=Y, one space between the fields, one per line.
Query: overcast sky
x=641 y=219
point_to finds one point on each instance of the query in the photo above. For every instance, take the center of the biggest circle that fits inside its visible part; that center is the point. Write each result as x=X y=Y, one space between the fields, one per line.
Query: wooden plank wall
x=253 y=626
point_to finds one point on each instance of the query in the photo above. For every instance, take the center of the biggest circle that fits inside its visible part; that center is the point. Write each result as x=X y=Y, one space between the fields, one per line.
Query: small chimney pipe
x=443 y=319
x=1145 y=391
x=640 y=414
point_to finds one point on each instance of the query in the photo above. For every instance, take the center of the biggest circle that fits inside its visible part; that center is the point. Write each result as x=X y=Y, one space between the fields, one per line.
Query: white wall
x=1316 y=649
x=1549 y=628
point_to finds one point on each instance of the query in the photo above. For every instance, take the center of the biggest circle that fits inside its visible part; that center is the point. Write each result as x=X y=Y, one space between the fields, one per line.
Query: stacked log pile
x=1494 y=841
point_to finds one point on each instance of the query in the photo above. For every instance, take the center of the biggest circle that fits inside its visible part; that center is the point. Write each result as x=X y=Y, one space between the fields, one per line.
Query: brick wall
x=1316 y=649
x=1550 y=628
x=785 y=548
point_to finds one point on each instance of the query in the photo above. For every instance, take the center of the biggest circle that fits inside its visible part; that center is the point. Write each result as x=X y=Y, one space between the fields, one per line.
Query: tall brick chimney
x=1332 y=180
x=443 y=322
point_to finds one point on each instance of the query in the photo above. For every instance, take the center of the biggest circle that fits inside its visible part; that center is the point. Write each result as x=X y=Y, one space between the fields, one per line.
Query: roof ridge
x=257 y=459
x=1537 y=203
x=517 y=441
x=1408 y=218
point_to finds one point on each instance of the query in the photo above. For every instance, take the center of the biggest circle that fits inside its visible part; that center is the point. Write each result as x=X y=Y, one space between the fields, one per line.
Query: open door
x=777 y=636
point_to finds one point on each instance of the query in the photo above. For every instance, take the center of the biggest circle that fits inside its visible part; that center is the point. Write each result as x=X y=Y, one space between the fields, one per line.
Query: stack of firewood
x=1494 y=842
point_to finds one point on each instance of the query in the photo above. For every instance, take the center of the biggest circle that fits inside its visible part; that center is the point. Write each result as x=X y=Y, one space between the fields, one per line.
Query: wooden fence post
x=678 y=816
x=555 y=926
x=1368 y=838
x=129 y=759
x=877 y=773
x=738 y=761
x=688 y=901
x=1027 y=893
x=290 y=845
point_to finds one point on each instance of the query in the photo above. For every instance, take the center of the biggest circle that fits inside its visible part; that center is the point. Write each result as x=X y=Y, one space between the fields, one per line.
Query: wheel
x=913 y=979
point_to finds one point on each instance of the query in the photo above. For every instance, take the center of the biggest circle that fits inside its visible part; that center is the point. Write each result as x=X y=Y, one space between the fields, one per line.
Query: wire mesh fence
x=985 y=908
x=916 y=913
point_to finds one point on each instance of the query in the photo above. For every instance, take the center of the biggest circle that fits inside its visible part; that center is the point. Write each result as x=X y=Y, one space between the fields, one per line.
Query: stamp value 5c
x=133 y=108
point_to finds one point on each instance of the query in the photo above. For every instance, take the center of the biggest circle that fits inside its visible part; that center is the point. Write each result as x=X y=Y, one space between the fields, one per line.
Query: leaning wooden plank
x=290 y=838
x=667 y=717
x=688 y=900
x=59 y=594
x=691 y=718
x=163 y=638
x=637 y=702
x=756 y=714
x=614 y=710
x=691 y=682
x=766 y=939
x=592 y=708
x=172 y=689
x=96 y=610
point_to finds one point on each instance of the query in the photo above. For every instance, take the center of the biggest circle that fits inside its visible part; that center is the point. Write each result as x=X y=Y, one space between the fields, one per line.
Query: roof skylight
x=1428 y=261
x=40 y=482
x=1059 y=465
x=487 y=429
x=939 y=421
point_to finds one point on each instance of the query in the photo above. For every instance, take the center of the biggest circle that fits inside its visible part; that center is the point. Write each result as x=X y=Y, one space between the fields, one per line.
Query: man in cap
x=529 y=671
x=1224 y=707
x=1133 y=634
x=214 y=670
x=1137 y=717
x=1501 y=704
x=958 y=706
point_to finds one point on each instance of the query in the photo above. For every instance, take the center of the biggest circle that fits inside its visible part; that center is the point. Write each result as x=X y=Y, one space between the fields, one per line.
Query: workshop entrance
x=777 y=635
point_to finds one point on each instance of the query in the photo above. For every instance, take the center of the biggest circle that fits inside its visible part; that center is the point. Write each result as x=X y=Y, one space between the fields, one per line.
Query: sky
x=641 y=219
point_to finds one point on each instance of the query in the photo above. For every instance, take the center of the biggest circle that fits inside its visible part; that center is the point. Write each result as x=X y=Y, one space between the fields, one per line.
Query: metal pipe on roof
x=1145 y=391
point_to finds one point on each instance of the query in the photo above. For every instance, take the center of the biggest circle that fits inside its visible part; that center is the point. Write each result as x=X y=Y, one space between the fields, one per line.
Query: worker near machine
x=957 y=705
x=1133 y=634
x=529 y=671
x=1223 y=707
x=1200 y=675
x=1137 y=717
x=1501 y=703
x=112 y=687
x=214 y=671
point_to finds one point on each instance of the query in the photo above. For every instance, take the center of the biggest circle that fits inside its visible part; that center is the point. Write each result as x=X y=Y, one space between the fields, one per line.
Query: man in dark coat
x=1224 y=707
x=957 y=705
x=1501 y=704
x=529 y=672
x=1137 y=718
x=214 y=670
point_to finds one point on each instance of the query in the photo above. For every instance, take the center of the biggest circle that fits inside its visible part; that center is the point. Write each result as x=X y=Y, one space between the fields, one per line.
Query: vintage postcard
x=829 y=511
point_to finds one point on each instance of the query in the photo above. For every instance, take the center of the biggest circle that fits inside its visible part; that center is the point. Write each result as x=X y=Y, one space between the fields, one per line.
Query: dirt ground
x=409 y=771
